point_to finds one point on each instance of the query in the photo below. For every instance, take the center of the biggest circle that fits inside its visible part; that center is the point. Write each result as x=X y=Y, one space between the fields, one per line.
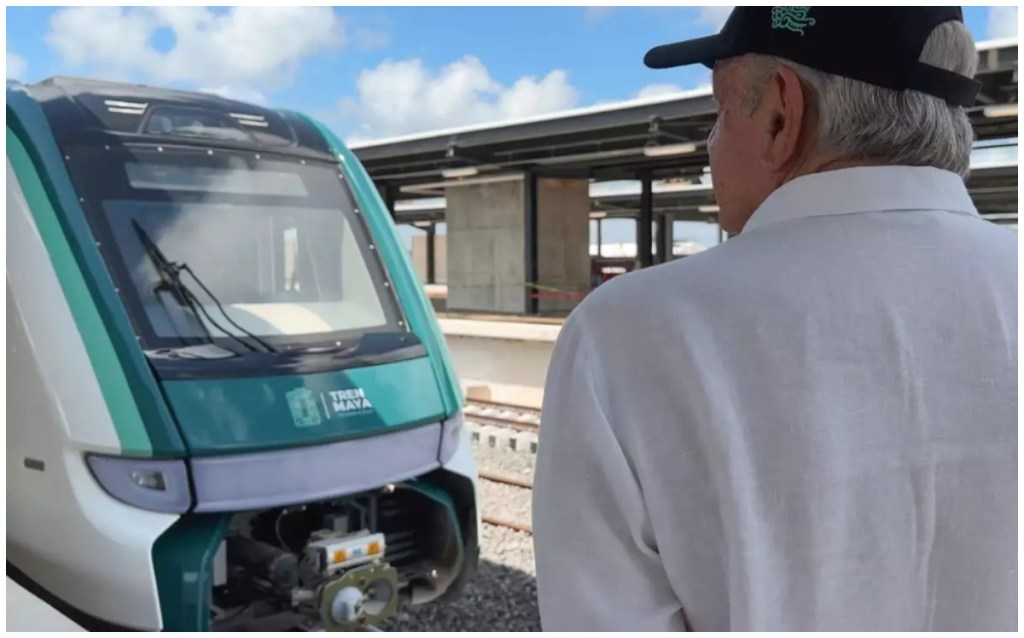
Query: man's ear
x=783 y=104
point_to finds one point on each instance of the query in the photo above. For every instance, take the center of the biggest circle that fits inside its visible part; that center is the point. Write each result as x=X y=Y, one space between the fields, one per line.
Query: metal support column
x=670 y=236
x=663 y=240
x=531 y=254
x=645 y=221
x=599 y=240
x=431 y=258
x=389 y=200
x=659 y=240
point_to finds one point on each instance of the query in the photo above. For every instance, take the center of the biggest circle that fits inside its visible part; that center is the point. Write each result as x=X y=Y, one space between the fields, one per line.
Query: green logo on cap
x=791 y=18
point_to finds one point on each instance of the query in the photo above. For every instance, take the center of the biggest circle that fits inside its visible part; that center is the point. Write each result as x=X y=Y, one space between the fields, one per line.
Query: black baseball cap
x=877 y=45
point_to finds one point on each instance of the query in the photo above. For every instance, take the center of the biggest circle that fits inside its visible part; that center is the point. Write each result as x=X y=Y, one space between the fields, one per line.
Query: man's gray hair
x=860 y=121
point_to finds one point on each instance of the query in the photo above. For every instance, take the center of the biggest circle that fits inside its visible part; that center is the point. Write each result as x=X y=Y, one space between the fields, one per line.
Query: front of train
x=275 y=440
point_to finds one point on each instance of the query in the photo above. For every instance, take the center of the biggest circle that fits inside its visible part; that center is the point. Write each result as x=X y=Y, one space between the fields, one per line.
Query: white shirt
x=812 y=426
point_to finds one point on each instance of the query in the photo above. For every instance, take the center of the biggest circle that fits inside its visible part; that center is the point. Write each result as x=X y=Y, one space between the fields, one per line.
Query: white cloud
x=667 y=88
x=715 y=16
x=657 y=90
x=1002 y=22
x=16 y=66
x=406 y=97
x=242 y=47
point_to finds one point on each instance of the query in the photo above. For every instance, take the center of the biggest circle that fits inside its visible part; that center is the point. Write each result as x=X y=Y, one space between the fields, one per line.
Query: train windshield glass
x=220 y=245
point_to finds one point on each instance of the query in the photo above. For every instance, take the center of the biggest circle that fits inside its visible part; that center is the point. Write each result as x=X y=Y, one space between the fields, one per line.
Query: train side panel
x=76 y=541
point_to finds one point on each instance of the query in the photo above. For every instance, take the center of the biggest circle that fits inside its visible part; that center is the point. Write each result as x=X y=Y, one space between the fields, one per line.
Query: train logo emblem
x=352 y=401
x=305 y=411
x=308 y=411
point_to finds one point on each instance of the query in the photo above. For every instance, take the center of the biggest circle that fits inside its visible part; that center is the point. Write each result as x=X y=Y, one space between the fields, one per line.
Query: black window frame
x=88 y=164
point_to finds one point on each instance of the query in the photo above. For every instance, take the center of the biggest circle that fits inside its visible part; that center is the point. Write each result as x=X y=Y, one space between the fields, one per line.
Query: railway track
x=510 y=417
x=515 y=482
x=500 y=522
x=503 y=415
x=505 y=480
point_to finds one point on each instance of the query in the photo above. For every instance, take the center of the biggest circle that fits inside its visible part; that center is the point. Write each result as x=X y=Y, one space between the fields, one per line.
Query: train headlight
x=150 y=479
x=157 y=485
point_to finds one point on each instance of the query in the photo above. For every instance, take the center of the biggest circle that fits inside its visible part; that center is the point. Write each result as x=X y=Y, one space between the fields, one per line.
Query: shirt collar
x=865 y=189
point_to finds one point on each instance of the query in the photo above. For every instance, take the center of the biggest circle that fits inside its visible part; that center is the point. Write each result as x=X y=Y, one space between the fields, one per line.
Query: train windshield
x=222 y=247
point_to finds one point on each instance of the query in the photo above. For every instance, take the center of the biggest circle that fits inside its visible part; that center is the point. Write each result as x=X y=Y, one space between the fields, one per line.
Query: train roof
x=92 y=111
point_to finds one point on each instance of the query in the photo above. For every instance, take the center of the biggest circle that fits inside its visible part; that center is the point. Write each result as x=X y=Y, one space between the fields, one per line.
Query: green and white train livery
x=229 y=402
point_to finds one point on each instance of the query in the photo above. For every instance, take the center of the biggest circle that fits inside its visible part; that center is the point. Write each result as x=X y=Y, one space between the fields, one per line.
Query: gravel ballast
x=503 y=595
x=505 y=462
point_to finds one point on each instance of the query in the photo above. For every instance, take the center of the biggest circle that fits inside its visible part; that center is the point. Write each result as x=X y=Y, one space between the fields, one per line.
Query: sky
x=378 y=72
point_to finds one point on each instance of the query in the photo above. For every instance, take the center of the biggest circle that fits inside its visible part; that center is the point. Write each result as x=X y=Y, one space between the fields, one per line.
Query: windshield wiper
x=170 y=280
x=170 y=277
x=202 y=352
x=333 y=348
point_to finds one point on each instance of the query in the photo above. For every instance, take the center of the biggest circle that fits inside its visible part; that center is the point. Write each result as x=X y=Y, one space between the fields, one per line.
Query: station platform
x=501 y=358
x=26 y=612
x=510 y=319
x=504 y=328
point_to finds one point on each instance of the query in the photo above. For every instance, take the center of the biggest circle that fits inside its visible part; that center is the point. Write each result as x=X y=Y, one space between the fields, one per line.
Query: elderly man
x=814 y=425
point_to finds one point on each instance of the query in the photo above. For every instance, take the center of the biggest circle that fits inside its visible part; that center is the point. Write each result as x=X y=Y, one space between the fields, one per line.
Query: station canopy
x=661 y=139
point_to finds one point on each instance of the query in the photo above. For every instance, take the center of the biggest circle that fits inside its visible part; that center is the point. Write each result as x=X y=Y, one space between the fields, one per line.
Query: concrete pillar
x=488 y=269
x=563 y=235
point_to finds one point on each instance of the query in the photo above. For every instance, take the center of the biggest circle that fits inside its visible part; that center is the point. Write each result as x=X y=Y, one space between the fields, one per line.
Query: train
x=230 y=406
